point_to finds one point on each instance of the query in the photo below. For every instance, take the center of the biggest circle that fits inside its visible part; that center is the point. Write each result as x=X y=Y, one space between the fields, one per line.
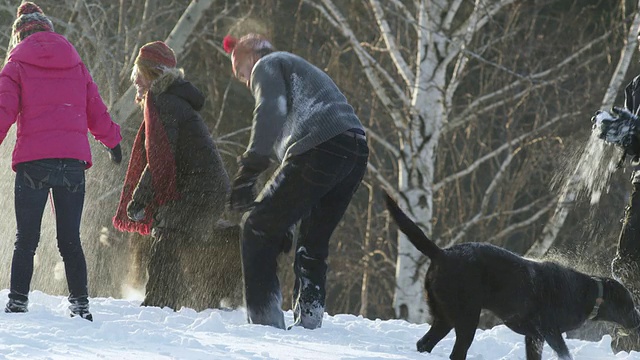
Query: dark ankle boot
x=80 y=307
x=309 y=290
x=16 y=306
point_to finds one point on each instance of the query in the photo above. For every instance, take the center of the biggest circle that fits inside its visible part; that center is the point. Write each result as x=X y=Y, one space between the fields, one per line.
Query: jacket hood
x=46 y=49
x=173 y=82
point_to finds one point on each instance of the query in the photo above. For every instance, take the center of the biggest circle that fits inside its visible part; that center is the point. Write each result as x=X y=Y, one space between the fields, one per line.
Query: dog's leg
x=555 y=340
x=438 y=330
x=464 y=338
x=466 y=323
x=534 y=347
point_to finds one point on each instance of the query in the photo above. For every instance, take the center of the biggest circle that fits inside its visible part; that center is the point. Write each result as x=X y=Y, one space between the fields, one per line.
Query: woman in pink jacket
x=46 y=89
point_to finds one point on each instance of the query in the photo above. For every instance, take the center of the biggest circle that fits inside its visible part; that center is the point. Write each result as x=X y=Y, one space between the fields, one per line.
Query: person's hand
x=242 y=196
x=242 y=191
x=115 y=154
x=135 y=211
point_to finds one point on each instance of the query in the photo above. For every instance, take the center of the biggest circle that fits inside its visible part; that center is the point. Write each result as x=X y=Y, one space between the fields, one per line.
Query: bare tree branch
x=394 y=52
x=385 y=183
x=376 y=83
x=490 y=155
x=485 y=200
x=517 y=226
x=533 y=79
x=222 y=106
x=481 y=21
x=387 y=145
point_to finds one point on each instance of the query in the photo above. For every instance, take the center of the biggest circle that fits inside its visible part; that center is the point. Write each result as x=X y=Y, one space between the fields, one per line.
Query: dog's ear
x=613 y=289
x=618 y=305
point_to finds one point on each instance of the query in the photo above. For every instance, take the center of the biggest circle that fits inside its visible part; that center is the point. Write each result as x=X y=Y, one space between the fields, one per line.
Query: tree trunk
x=415 y=182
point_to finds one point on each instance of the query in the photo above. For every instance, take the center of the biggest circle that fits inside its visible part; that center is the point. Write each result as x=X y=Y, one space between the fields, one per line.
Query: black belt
x=355 y=133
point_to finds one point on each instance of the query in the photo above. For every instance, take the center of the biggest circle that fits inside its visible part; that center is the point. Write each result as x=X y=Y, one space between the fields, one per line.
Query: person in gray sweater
x=302 y=117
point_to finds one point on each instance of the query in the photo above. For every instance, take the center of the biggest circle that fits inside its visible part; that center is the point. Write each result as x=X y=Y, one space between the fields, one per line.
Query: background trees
x=473 y=108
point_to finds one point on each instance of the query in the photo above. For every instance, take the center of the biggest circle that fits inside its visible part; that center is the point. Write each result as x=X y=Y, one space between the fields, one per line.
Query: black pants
x=314 y=188
x=65 y=179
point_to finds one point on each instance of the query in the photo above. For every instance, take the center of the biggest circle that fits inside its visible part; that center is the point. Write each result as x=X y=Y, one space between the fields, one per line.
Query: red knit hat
x=156 y=54
x=30 y=19
x=28 y=8
x=251 y=41
x=245 y=45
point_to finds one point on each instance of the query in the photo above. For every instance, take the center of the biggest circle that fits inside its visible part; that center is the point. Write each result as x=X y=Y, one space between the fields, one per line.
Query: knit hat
x=156 y=55
x=28 y=8
x=29 y=19
x=250 y=43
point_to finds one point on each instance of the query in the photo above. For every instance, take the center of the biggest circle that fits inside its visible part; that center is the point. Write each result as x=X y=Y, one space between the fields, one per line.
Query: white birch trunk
x=415 y=182
x=411 y=267
x=125 y=105
x=575 y=182
x=416 y=170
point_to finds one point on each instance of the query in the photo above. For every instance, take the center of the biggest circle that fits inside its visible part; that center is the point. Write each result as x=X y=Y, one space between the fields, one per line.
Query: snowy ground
x=124 y=330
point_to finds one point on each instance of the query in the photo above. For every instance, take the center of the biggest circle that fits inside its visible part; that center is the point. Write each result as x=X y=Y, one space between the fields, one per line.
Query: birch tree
x=417 y=78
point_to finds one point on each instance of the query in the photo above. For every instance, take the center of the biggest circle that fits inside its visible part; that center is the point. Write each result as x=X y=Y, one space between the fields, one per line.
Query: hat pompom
x=28 y=8
x=229 y=43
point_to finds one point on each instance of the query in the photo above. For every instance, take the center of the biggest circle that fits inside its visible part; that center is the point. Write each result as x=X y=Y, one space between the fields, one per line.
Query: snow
x=124 y=330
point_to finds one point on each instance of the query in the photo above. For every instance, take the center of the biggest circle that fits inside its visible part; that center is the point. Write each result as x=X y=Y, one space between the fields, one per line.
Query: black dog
x=539 y=300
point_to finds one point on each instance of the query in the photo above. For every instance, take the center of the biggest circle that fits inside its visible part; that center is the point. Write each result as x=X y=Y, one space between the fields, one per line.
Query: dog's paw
x=422 y=346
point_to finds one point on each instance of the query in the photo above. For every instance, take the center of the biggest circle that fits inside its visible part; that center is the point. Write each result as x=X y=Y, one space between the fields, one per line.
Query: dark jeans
x=34 y=179
x=315 y=188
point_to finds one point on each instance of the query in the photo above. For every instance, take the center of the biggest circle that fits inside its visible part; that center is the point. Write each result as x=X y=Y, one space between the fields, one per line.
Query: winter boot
x=309 y=290
x=16 y=306
x=80 y=308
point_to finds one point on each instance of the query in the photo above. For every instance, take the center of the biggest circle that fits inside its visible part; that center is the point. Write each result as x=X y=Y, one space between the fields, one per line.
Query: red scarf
x=162 y=165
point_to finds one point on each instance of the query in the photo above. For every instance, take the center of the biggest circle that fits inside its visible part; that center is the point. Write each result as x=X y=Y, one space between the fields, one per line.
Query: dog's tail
x=417 y=237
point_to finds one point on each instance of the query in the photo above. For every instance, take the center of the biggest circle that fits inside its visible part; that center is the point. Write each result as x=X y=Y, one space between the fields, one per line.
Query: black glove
x=135 y=211
x=115 y=154
x=242 y=190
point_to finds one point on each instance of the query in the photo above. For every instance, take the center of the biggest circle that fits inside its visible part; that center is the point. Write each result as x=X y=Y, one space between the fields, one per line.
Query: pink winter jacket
x=47 y=90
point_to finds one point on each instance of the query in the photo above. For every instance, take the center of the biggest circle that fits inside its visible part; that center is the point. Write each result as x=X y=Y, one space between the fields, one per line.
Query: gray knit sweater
x=298 y=107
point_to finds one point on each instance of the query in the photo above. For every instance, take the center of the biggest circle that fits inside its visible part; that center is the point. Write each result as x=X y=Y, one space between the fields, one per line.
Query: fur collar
x=162 y=83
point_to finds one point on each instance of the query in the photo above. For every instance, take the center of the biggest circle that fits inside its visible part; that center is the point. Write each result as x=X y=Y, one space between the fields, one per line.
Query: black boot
x=80 y=307
x=309 y=290
x=16 y=306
